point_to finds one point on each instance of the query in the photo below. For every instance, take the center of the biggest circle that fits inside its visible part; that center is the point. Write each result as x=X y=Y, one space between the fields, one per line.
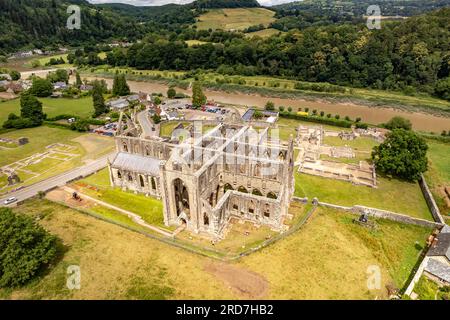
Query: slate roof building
x=438 y=266
x=119 y=104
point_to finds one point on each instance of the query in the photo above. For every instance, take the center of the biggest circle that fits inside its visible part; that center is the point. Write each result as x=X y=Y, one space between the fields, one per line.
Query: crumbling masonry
x=231 y=171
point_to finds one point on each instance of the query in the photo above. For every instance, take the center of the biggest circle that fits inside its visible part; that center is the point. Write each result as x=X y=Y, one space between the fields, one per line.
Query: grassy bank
x=285 y=88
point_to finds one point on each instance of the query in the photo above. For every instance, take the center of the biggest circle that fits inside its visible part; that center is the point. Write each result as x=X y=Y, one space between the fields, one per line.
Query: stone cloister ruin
x=205 y=180
x=311 y=147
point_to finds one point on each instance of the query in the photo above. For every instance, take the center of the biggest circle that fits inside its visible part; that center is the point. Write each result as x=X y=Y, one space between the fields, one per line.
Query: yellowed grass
x=235 y=19
x=327 y=259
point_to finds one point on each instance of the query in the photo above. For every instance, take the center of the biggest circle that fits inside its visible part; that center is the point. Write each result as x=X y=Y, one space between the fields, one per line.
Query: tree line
x=405 y=55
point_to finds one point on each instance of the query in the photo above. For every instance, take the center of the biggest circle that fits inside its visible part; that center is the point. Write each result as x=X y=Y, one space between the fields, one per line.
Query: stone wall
x=430 y=200
x=383 y=214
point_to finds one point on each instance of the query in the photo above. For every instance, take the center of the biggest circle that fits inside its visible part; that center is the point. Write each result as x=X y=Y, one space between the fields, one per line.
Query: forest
x=403 y=55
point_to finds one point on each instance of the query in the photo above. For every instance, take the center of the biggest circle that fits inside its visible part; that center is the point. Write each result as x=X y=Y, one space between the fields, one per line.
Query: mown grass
x=288 y=127
x=390 y=194
x=150 y=209
x=234 y=19
x=359 y=144
x=81 y=107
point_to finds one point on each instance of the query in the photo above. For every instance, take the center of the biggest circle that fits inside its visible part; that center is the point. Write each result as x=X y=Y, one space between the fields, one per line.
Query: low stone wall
x=383 y=214
x=301 y=200
x=430 y=201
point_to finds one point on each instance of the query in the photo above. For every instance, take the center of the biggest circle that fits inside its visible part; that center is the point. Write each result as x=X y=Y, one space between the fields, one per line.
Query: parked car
x=10 y=200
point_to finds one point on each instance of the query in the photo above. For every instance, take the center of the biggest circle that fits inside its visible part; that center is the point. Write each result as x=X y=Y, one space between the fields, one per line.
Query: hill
x=38 y=23
x=221 y=4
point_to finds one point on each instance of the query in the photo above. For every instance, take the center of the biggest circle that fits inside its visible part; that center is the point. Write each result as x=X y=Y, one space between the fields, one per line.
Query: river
x=373 y=115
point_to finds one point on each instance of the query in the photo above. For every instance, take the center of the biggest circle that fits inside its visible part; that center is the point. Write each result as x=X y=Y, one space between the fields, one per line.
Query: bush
x=80 y=126
x=360 y=125
x=270 y=106
x=19 y=123
x=25 y=248
x=398 y=123
x=62 y=117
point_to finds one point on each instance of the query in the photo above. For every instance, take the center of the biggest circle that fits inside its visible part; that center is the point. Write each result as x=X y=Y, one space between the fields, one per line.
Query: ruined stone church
x=204 y=180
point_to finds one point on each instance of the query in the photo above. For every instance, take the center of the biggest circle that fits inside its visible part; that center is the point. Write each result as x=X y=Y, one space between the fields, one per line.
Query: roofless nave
x=204 y=180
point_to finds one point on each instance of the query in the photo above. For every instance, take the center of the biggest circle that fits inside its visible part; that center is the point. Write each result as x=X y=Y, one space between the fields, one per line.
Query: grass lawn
x=327 y=258
x=150 y=209
x=393 y=195
x=234 y=19
x=168 y=127
x=44 y=60
x=82 y=107
x=286 y=127
x=438 y=174
x=359 y=144
x=87 y=147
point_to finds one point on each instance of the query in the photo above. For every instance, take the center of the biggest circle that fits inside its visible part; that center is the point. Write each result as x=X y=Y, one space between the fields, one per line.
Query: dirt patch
x=59 y=195
x=249 y=285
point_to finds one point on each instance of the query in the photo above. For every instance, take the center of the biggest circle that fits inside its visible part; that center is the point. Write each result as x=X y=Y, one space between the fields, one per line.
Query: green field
x=234 y=19
x=82 y=107
x=150 y=209
x=390 y=194
x=86 y=147
x=326 y=259
x=43 y=60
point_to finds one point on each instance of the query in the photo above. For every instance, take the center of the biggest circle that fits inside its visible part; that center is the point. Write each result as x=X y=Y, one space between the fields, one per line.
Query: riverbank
x=371 y=114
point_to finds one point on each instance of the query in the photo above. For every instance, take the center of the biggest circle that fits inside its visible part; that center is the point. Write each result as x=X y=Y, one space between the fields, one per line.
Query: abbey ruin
x=204 y=180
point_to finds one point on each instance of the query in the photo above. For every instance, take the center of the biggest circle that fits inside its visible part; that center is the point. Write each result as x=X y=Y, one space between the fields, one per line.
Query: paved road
x=59 y=180
x=146 y=125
